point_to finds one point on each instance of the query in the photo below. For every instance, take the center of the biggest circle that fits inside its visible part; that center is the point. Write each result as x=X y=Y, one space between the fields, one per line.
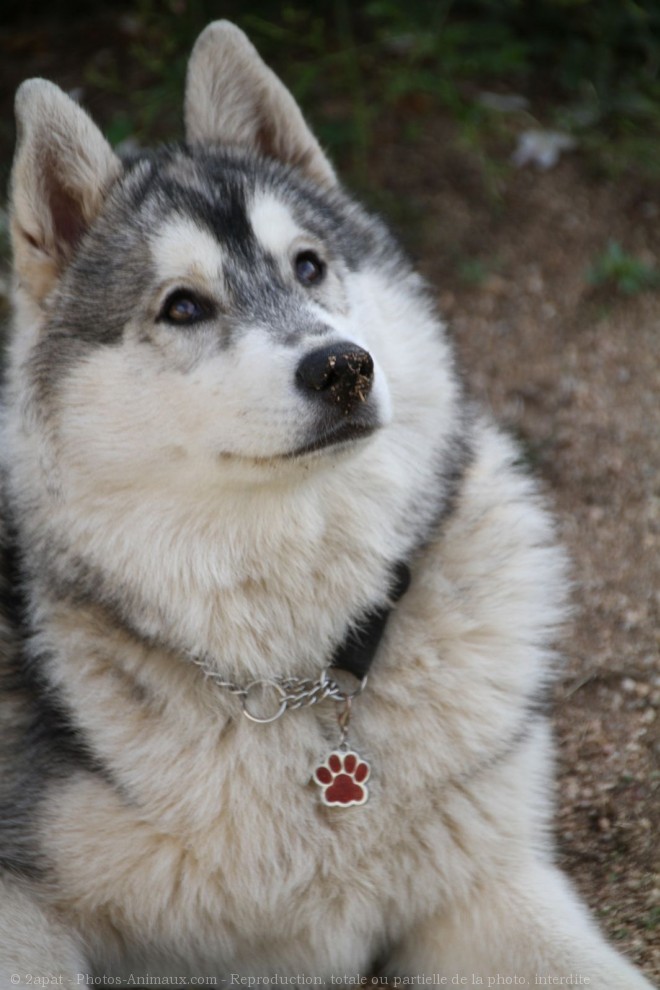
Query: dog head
x=210 y=296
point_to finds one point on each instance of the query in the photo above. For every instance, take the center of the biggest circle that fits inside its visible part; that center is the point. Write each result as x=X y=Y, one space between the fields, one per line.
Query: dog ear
x=62 y=170
x=233 y=98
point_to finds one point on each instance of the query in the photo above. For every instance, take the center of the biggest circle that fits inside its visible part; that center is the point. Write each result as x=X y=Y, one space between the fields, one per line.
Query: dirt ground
x=575 y=373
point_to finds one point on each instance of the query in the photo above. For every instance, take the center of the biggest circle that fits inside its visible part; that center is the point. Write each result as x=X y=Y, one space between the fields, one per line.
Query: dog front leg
x=529 y=931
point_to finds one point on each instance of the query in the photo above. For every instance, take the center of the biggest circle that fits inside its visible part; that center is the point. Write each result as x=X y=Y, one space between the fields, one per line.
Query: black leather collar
x=358 y=650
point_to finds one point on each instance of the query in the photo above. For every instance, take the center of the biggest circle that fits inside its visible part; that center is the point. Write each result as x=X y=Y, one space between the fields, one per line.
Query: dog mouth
x=344 y=433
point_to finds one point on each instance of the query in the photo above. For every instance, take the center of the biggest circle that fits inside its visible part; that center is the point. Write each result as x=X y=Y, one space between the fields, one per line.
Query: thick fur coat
x=187 y=500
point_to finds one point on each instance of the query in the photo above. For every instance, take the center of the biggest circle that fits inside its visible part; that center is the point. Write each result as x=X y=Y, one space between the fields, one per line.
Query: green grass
x=652 y=920
x=616 y=269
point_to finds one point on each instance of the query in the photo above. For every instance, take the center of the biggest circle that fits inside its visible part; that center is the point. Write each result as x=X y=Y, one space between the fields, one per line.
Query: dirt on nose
x=351 y=383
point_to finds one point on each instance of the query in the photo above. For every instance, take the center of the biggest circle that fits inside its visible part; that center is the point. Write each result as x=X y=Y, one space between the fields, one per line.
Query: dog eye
x=309 y=268
x=182 y=308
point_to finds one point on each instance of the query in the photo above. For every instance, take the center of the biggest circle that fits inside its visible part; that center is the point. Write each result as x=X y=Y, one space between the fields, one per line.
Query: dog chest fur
x=223 y=813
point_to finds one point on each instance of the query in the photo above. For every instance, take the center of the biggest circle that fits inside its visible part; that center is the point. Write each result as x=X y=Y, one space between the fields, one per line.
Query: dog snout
x=340 y=374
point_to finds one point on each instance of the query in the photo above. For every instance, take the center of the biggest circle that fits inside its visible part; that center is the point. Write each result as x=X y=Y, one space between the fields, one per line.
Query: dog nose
x=341 y=374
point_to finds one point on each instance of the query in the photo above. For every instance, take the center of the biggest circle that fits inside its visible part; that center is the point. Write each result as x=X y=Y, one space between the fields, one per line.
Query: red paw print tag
x=343 y=779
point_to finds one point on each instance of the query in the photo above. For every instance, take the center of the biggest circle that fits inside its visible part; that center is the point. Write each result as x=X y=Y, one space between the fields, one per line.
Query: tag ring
x=263 y=720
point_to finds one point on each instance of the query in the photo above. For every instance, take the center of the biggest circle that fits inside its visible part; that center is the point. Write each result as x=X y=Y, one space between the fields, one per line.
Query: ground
x=574 y=372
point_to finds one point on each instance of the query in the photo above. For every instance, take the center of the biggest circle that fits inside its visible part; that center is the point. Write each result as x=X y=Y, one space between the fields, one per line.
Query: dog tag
x=343 y=779
x=344 y=774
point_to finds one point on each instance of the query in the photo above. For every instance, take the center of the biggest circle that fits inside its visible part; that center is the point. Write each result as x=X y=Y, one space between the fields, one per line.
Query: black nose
x=341 y=374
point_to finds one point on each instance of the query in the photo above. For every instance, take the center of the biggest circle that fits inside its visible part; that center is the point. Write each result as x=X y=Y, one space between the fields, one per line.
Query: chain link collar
x=289 y=692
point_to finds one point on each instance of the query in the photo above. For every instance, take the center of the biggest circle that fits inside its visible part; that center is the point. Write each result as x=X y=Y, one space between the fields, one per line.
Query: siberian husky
x=279 y=603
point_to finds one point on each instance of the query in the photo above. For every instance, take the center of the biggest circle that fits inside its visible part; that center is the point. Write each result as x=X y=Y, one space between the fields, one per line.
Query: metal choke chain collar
x=289 y=692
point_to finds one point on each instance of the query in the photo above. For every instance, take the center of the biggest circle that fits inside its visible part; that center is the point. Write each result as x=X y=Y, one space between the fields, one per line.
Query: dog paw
x=342 y=779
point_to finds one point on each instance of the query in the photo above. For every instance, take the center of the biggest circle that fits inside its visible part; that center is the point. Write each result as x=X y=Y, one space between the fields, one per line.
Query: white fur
x=273 y=224
x=183 y=250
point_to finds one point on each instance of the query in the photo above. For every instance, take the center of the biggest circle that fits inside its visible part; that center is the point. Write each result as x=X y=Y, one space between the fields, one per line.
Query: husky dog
x=233 y=433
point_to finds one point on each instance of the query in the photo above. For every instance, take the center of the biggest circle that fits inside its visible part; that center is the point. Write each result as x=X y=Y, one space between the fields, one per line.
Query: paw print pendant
x=343 y=779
